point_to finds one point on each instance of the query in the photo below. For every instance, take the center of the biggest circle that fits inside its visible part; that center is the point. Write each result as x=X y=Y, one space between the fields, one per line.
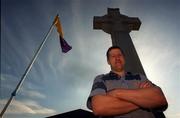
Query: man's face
x=116 y=60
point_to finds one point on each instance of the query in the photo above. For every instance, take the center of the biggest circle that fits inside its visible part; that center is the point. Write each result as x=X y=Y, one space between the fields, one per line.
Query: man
x=121 y=94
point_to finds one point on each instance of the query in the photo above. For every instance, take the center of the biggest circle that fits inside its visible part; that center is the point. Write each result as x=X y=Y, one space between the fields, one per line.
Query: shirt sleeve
x=98 y=88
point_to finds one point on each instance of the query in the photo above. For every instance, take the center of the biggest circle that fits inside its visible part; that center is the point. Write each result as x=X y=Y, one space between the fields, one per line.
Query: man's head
x=115 y=58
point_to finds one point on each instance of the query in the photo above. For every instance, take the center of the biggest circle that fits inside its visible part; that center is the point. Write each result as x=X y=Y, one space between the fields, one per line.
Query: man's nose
x=118 y=57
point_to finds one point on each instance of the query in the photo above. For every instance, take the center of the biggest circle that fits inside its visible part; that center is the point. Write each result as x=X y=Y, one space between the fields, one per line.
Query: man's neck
x=119 y=73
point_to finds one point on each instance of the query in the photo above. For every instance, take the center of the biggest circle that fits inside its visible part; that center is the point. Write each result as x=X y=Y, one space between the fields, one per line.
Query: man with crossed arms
x=121 y=94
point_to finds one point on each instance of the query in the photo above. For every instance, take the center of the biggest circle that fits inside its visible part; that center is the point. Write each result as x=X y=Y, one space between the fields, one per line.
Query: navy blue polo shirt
x=107 y=82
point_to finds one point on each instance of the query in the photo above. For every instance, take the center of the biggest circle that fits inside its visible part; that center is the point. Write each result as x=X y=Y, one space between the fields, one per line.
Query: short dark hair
x=113 y=47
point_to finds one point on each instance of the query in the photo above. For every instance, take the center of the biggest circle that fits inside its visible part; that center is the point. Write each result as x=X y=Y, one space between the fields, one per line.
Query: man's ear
x=108 y=61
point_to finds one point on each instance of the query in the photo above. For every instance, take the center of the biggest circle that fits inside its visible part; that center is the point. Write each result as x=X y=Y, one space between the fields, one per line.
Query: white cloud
x=27 y=107
x=175 y=115
x=39 y=109
x=33 y=94
x=17 y=107
x=8 y=84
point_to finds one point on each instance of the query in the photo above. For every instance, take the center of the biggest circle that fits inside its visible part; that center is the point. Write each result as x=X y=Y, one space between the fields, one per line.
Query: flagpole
x=26 y=72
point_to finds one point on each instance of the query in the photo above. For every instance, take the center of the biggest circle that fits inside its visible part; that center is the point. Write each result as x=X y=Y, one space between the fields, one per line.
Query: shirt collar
x=114 y=75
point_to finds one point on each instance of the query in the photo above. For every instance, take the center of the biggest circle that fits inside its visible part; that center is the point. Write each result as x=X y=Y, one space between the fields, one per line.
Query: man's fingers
x=145 y=84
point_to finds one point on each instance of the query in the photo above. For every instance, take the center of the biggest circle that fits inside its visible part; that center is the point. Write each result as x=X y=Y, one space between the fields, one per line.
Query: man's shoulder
x=132 y=73
x=137 y=76
x=102 y=76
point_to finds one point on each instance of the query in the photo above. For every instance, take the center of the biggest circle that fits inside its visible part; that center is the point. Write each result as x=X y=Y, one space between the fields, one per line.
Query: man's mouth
x=118 y=63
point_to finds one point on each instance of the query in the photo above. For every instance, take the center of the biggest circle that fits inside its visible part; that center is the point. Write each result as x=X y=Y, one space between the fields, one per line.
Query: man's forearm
x=104 y=105
x=151 y=97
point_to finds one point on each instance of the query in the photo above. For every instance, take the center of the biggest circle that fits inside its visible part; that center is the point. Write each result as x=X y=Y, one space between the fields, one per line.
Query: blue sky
x=61 y=82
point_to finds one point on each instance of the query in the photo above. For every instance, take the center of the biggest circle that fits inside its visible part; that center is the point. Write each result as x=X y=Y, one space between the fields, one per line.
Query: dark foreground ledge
x=79 y=113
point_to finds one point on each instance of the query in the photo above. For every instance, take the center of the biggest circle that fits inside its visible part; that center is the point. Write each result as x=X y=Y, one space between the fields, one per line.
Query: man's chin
x=119 y=69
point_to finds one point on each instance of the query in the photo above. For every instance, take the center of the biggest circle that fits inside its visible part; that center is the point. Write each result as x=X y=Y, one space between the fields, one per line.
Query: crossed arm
x=121 y=101
x=105 y=105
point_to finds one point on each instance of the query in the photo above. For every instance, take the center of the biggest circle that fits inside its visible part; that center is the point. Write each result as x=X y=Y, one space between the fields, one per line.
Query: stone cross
x=119 y=26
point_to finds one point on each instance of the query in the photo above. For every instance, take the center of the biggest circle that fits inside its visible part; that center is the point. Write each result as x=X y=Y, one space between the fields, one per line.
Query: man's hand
x=145 y=84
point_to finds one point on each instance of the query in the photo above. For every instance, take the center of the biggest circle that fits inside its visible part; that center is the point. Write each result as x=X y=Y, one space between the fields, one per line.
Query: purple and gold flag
x=64 y=45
